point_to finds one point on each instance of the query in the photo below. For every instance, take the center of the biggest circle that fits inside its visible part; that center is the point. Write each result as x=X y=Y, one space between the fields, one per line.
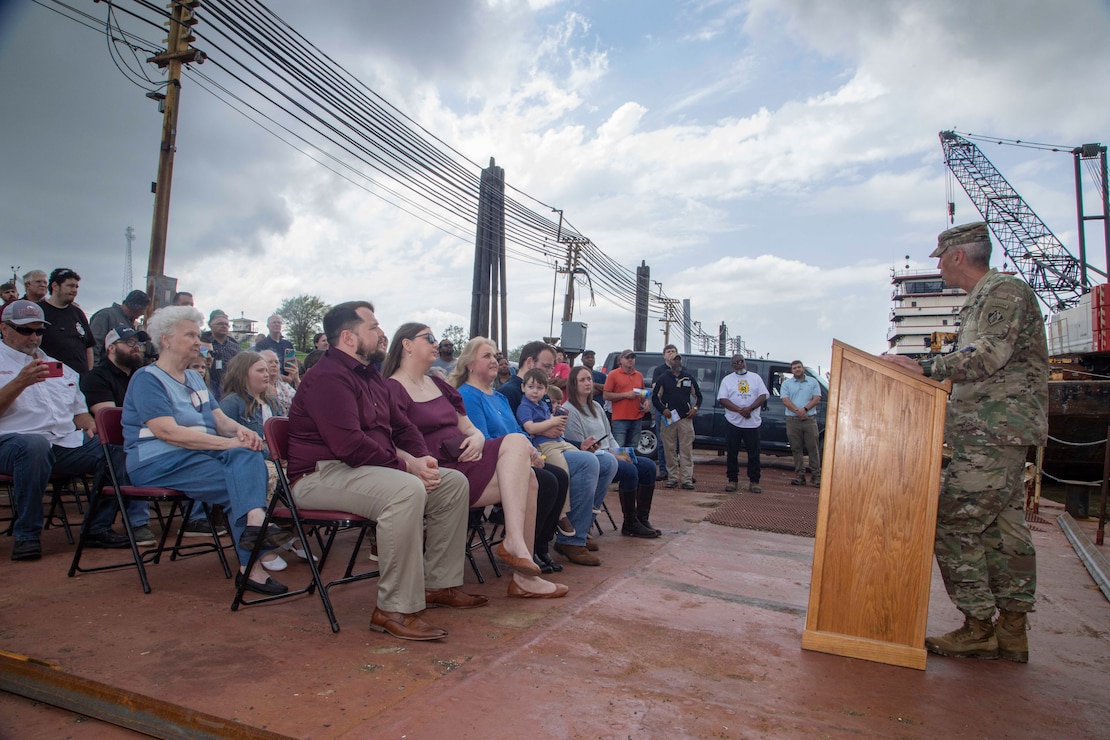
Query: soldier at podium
x=998 y=407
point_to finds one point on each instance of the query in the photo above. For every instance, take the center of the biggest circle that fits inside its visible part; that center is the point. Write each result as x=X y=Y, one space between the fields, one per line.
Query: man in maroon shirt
x=348 y=452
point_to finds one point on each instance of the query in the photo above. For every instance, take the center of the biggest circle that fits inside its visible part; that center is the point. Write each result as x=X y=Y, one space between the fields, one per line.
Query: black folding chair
x=109 y=427
x=476 y=529
x=324 y=524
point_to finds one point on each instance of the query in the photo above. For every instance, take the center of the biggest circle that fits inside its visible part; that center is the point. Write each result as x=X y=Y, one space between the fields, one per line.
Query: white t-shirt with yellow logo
x=742 y=390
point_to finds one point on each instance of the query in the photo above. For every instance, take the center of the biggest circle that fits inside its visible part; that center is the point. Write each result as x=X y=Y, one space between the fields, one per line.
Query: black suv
x=710 y=423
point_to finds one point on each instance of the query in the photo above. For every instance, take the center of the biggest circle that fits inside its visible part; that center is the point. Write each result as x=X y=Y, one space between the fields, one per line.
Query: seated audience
x=536 y=419
x=504 y=372
x=490 y=411
x=635 y=475
x=118 y=314
x=349 y=451
x=247 y=401
x=45 y=428
x=281 y=391
x=175 y=436
x=105 y=386
x=498 y=470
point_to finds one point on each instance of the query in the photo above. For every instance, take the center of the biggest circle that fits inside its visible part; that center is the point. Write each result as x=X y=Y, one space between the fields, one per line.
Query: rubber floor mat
x=786 y=512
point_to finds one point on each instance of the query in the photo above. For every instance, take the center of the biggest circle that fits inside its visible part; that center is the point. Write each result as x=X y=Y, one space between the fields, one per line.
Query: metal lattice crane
x=1044 y=262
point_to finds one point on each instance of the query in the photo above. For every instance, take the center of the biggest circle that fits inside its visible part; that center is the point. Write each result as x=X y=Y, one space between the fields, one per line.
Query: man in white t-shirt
x=742 y=394
x=45 y=428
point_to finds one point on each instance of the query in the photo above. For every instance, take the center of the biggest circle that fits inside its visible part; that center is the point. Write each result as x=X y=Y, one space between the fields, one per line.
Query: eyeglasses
x=427 y=335
x=132 y=342
x=738 y=362
x=26 y=331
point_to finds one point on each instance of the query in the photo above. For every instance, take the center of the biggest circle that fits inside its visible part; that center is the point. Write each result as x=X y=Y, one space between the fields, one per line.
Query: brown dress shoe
x=577 y=554
x=404 y=626
x=453 y=598
x=519 y=592
x=591 y=545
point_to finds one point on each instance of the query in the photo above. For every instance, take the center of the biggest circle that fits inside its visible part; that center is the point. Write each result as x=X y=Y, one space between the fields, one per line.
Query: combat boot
x=975 y=639
x=1013 y=644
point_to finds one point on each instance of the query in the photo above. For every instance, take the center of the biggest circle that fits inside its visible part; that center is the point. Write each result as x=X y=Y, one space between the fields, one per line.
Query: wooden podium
x=876 y=520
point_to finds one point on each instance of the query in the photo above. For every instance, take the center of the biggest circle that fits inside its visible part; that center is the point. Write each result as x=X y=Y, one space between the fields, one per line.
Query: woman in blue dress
x=176 y=436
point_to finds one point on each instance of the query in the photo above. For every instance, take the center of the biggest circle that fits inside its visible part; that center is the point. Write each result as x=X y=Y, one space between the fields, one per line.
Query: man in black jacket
x=677 y=398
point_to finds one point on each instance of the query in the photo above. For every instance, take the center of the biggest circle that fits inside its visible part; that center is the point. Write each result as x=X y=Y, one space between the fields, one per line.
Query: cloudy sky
x=771 y=160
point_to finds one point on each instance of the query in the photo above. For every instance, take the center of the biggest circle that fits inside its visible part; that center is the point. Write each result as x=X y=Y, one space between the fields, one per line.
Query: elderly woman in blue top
x=177 y=437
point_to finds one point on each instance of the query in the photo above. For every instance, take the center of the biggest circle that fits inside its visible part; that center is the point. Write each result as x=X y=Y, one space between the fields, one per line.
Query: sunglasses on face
x=428 y=336
x=25 y=331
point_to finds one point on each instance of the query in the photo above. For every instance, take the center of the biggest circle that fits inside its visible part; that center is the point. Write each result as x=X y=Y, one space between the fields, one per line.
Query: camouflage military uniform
x=998 y=408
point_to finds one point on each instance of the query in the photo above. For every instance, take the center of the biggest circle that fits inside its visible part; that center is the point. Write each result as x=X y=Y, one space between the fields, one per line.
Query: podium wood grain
x=876 y=520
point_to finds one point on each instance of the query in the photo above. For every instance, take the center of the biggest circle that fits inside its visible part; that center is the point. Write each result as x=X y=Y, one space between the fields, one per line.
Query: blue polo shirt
x=801 y=392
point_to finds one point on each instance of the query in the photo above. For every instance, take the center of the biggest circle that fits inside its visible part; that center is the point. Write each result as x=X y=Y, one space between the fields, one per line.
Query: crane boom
x=1044 y=262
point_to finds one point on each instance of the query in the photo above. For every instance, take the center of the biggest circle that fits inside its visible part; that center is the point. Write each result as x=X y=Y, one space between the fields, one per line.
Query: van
x=710 y=423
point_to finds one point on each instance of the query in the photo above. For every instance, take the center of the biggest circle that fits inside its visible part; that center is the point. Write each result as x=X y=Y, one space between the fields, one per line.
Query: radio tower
x=129 y=234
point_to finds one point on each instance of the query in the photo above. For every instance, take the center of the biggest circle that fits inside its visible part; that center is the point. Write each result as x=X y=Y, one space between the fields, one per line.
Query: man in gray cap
x=998 y=408
x=106 y=319
x=45 y=428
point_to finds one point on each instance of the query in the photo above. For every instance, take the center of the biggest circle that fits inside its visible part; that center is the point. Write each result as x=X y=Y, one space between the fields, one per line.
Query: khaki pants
x=803 y=433
x=681 y=433
x=399 y=504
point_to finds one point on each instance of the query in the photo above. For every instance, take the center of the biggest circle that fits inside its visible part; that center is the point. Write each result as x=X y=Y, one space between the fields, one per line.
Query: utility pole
x=129 y=235
x=178 y=51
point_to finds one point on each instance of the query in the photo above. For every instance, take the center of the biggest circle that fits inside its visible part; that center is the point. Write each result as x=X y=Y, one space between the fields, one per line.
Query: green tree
x=514 y=353
x=302 y=316
x=457 y=335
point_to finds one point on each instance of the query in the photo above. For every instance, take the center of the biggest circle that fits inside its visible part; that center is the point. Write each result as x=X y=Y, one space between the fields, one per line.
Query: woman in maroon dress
x=499 y=470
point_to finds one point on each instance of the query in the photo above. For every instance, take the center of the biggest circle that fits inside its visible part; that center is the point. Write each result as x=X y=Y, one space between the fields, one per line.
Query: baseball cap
x=23 y=312
x=627 y=353
x=122 y=333
x=962 y=234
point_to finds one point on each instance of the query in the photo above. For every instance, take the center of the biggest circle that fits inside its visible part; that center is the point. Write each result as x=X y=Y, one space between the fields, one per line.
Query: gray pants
x=399 y=504
x=799 y=433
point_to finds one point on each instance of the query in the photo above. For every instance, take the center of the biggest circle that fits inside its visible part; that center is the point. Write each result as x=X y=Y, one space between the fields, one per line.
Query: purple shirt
x=342 y=411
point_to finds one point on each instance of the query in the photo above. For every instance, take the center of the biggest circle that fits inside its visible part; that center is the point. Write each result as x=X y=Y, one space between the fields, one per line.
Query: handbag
x=451 y=448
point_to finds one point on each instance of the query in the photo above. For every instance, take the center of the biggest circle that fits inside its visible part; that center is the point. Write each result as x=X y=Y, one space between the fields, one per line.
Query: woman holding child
x=499 y=470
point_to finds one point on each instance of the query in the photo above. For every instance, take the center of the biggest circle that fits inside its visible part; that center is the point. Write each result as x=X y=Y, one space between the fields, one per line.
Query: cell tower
x=129 y=234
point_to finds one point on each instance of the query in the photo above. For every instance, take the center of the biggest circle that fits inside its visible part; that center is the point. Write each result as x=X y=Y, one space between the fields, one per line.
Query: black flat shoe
x=545 y=569
x=27 y=550
x=269 y=588
x=275 y=537
x=107 y=540
x=545 y=561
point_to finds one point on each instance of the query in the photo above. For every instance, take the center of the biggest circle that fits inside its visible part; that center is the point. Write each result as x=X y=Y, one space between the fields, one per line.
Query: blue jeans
x=235 y=479
x=583 y=469
x=626 y=432
x=632 y=475
x=30 y=460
